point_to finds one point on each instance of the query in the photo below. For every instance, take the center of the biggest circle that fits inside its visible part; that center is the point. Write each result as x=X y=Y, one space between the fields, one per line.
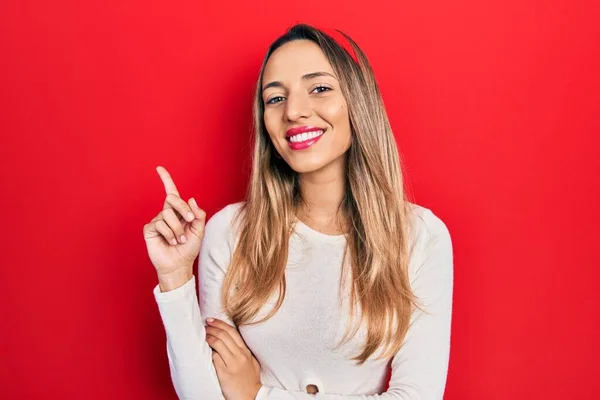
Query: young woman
x=326 y=275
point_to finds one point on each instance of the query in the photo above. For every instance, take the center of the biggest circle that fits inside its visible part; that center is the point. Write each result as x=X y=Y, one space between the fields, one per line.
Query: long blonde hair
x=375 y=207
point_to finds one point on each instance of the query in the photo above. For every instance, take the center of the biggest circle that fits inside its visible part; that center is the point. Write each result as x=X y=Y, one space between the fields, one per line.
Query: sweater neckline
x=302 y=228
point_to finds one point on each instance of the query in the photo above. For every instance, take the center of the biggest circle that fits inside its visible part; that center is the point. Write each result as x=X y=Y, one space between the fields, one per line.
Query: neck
x=323 y=192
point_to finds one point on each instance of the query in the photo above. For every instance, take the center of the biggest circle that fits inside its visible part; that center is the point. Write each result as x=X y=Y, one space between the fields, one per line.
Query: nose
x=297 y=106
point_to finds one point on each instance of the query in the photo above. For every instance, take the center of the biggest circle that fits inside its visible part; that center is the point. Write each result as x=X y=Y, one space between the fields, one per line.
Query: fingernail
x=194 y=202
x=183 y=239
x=174 y=241
x=210 y=320
x=190 y=217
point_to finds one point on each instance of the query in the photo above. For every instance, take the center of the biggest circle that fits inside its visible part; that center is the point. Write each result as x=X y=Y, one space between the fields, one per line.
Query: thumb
x=197 y=225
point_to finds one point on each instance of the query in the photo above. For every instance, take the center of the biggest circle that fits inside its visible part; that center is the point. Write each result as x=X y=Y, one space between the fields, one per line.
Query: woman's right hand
x=174 y=236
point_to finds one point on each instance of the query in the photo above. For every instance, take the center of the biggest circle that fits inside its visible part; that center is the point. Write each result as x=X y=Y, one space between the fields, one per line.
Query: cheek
x=337 y=115
x=268 y=120
x=339 y=118
x=271 y=125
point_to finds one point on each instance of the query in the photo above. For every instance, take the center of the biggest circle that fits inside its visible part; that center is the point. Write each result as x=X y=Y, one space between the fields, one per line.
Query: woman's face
x=306 y=114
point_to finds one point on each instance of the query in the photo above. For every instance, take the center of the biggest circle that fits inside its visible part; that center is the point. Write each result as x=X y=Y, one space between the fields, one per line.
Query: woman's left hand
x=237 y=368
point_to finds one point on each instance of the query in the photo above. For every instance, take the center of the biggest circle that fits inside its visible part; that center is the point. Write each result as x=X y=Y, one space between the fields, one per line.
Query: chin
x=306 y=166
x=307 y=163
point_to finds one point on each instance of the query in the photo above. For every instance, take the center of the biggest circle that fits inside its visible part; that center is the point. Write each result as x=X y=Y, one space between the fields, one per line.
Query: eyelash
x=318 y=87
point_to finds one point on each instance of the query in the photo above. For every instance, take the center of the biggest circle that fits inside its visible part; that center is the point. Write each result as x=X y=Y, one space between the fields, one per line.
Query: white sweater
x=296 y=347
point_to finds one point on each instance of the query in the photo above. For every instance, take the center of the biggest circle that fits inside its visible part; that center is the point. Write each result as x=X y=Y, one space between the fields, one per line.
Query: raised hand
x=174 y=236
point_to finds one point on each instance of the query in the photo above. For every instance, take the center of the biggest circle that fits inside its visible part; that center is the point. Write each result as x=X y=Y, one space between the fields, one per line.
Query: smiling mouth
x=305 y=140
x=306 y=136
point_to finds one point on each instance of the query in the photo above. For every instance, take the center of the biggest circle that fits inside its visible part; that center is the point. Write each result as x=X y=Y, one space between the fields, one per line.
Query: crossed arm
x=419 y=369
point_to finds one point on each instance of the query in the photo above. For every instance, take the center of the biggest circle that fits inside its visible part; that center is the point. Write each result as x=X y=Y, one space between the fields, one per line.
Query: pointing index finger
x=167 y=181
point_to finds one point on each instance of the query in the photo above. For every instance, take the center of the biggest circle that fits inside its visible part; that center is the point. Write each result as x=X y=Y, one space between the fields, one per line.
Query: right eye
x=272 y=101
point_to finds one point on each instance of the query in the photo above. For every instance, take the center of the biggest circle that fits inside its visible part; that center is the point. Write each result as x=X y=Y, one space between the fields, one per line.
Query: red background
x=495 y=107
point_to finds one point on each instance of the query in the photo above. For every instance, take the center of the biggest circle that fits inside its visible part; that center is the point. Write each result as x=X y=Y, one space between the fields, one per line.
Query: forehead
x=294 y=59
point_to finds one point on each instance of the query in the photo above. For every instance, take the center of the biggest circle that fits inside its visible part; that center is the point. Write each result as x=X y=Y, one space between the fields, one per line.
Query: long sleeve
x=190 y=357
x=420 y=367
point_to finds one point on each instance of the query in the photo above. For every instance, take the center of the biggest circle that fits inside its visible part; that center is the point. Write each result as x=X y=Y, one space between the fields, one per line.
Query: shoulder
x=221 y=228
x=426 y=225
x=431 y=242
x=224 y=217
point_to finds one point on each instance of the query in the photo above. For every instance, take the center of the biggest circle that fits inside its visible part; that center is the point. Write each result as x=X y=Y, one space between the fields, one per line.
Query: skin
x=237 y=369
x=174 y=236
x=319 y=102
x=294 y=101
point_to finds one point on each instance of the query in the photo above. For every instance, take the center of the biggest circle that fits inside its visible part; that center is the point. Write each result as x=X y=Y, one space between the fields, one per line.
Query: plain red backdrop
x=495 y=107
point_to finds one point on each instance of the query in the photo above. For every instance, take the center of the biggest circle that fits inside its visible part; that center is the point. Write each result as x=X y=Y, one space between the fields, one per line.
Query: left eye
x=320 y=89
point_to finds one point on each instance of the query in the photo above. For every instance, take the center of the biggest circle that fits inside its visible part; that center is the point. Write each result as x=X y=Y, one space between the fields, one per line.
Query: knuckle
x=177 y=228
x=172 y=220
x=213 y=339
x=161 y=215
x=171 y=197
x=168 y=212
x=164 y=229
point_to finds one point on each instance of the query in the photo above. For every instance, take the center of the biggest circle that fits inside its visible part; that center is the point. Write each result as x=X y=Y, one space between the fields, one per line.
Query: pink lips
x=300 y=130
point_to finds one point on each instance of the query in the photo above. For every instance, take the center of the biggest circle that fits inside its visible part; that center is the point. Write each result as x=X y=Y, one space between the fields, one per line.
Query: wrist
x=255 y=391
x=175 y=279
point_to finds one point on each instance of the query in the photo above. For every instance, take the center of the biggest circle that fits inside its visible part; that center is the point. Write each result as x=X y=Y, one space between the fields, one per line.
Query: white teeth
x=305 y=136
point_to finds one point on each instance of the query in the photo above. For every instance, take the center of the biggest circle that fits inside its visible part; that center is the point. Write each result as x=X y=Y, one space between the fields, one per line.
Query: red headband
x=342 y=41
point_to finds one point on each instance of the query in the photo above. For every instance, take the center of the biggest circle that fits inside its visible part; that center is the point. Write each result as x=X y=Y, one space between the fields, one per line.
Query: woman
x=326 y=275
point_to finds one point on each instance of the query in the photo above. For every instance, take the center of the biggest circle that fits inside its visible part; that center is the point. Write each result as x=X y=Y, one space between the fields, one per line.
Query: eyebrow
x=306 y=77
